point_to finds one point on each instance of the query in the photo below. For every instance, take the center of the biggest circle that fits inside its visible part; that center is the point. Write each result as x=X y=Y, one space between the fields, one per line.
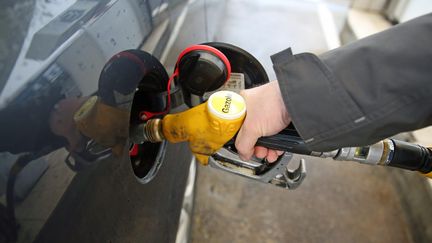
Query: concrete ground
x=338 y=201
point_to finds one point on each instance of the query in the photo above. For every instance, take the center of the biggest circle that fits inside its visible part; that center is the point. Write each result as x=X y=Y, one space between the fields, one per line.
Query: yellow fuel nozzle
x=207 y=127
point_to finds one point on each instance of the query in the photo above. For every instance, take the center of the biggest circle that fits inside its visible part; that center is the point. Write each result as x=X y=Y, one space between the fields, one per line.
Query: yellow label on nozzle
x=227 y=105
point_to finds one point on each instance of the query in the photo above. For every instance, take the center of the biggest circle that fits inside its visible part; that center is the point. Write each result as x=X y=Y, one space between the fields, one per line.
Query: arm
x=362 y=92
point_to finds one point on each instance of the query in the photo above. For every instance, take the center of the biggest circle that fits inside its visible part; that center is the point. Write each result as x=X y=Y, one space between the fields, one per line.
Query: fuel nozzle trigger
x=276 y=173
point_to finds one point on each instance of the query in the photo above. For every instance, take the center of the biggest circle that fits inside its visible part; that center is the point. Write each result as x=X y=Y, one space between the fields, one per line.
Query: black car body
x=53 y=56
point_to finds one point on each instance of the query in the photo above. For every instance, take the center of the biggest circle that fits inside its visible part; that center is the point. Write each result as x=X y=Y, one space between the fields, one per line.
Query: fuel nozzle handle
x=286 y=140
x=389 y=152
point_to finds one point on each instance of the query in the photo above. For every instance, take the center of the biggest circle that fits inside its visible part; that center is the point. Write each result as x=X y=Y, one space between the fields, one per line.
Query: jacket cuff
x=318 y=104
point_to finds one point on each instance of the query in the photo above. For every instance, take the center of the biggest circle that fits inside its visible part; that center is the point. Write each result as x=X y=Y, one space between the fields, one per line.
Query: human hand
x=266 y=115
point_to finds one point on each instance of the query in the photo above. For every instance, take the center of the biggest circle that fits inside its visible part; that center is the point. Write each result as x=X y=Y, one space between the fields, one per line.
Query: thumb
x=245 y=142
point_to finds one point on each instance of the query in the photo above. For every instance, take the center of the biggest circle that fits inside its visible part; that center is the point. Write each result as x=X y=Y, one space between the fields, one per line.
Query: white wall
x=416 y=8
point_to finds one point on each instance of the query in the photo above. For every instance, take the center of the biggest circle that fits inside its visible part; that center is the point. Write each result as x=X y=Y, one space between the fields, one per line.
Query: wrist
x=286 y=118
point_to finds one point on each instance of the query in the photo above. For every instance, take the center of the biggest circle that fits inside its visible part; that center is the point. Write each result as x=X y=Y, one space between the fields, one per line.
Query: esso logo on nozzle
x=226 y=105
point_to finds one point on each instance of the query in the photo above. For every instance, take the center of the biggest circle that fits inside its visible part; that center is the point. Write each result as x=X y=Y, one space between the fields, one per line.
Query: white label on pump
x=235 y=83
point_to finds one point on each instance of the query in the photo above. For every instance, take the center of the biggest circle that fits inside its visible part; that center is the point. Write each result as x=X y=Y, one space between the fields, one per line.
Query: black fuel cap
x=201 y=71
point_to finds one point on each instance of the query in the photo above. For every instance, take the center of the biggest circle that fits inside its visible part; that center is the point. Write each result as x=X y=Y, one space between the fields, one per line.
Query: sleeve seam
x=372 y=117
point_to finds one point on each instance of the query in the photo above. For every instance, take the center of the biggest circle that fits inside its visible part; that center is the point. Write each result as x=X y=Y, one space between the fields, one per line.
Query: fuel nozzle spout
x=150 y=131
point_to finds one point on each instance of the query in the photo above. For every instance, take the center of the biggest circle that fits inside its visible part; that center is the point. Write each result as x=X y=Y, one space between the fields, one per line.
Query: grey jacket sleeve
x=363 y=92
